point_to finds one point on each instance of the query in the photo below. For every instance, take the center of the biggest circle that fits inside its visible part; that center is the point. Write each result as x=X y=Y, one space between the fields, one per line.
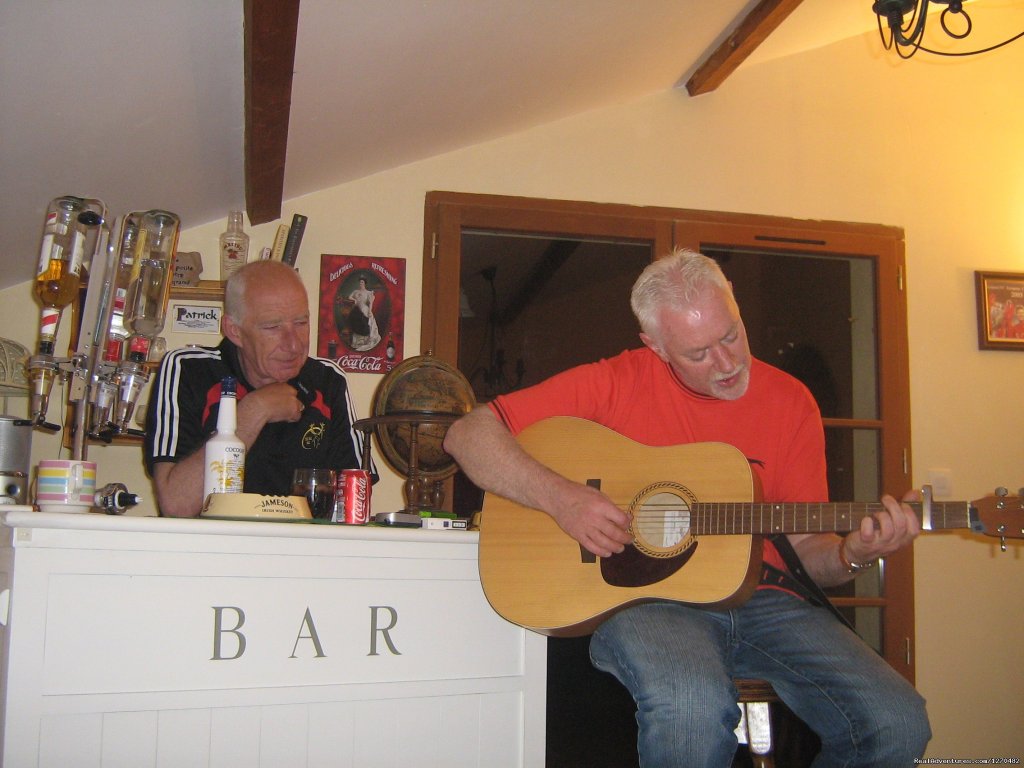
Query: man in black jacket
x=293 y=410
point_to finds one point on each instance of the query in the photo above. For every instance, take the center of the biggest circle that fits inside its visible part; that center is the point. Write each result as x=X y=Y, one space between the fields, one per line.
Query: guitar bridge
x=586 y=556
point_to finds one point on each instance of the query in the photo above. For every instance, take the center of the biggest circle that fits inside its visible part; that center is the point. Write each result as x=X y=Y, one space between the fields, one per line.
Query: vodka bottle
x=128 y=253
x=234 y=246
x=150 y=283
x=225 y=453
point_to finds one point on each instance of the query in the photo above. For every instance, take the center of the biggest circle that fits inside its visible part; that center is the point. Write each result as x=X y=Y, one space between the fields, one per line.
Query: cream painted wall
x=824 y=135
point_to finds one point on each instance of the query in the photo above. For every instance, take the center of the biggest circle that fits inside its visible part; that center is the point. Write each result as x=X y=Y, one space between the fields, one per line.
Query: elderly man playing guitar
x=695 y=381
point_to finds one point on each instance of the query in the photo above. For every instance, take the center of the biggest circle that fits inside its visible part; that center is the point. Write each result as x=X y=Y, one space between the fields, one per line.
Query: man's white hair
x=673 y=281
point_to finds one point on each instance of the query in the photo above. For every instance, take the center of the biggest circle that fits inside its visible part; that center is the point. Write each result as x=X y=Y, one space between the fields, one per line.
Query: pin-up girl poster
x=362 y=312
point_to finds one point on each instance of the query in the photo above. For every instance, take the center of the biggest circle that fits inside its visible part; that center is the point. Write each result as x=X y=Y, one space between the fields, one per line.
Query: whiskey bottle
x=69 y=235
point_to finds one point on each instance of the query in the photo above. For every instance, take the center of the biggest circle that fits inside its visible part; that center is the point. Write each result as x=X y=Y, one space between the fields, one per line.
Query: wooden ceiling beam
x=270 y=29
x=751 y=32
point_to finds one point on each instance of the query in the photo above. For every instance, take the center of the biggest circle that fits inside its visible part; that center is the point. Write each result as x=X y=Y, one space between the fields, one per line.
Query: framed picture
x=1000 y=310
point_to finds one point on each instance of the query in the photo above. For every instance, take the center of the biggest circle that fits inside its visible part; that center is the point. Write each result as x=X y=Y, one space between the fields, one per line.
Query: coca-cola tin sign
x=361 y=314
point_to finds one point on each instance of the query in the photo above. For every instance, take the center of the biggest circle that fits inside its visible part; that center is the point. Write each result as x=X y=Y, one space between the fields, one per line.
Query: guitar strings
x=678 y=518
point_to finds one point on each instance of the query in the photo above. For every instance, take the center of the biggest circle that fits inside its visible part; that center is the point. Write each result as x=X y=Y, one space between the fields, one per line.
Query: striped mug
x=64 y=485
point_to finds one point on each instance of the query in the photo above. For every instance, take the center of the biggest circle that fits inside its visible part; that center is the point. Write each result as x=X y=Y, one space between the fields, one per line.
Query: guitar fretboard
x=724 y=518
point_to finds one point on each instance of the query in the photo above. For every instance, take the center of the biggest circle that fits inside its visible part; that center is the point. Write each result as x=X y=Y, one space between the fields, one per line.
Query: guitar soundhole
x=661 y=538
x=661 y=520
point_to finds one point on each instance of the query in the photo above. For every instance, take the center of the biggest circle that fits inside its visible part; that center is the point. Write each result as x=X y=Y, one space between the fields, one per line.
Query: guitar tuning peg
x=1001 y=491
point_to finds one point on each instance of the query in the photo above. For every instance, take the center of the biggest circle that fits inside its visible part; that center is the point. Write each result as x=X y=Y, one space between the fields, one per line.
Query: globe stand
x=423 y=494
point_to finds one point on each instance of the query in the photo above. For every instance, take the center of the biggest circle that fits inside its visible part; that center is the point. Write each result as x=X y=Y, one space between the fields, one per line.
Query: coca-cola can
x=352 y=500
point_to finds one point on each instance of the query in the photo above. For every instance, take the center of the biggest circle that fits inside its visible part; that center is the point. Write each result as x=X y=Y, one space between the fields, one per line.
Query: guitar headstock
x=1001 y=515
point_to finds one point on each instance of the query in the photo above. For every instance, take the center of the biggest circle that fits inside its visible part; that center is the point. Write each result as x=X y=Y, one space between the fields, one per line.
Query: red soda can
x=354 y=489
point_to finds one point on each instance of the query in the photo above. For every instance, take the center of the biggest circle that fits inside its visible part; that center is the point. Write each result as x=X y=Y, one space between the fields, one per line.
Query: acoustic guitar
x=696 y=525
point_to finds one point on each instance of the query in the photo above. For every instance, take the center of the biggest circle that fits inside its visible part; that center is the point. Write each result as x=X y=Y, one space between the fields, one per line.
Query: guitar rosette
x=660 y=519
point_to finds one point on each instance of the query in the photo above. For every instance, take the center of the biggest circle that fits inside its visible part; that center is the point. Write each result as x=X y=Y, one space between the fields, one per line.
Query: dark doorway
x=532 y=306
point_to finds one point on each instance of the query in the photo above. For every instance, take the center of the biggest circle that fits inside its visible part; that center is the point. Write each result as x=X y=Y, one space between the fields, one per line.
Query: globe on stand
x=413 y=406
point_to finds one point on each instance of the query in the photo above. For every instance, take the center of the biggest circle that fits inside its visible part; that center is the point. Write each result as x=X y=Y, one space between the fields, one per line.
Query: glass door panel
x=532 y=306
x=854 y=457
x=868 y=621
x=813 y=315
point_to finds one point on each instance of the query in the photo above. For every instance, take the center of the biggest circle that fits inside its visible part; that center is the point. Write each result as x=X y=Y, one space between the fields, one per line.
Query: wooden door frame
x=885 y=245
x=446 y=214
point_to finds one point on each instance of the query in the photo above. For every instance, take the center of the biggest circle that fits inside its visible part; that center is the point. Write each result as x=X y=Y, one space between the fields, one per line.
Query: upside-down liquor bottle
x=127 y=256
x=145 y=305
x=70 y=234
x=150 y=284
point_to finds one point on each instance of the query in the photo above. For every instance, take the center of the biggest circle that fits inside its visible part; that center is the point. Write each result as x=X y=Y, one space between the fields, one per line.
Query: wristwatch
x=850 y=566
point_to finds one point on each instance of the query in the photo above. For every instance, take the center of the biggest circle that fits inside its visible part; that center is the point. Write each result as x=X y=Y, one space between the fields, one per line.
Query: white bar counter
x=143 y=641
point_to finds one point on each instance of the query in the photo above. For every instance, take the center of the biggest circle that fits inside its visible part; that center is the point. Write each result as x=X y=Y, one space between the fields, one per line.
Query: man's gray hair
x=238 y=283
x=673 y=281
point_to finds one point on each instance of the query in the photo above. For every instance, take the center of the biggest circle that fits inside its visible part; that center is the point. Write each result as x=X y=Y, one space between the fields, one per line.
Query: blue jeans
x=678 y=663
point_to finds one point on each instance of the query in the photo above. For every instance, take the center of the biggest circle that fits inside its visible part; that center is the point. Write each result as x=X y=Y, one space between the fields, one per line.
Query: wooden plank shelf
x=206 y=290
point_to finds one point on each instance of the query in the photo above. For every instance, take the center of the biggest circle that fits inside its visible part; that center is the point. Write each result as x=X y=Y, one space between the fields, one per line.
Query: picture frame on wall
x=1000 y=310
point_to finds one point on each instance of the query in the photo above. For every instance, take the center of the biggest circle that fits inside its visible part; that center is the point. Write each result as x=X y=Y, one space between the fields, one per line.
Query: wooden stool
x=755 y=726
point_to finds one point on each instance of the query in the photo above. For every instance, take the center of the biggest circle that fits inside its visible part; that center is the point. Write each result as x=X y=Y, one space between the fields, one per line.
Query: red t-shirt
x=776 y=424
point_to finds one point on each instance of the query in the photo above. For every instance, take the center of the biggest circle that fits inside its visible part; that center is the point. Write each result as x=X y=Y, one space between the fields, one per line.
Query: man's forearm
x=493 y=460
x=250 y=420
x=819 y=554
x=179 y=485
x=830 y=561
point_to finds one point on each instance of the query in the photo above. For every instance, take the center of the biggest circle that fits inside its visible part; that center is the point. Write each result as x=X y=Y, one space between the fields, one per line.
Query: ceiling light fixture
x=907 y=37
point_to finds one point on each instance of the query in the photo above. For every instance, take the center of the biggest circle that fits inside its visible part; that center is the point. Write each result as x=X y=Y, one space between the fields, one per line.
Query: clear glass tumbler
x=317 y=486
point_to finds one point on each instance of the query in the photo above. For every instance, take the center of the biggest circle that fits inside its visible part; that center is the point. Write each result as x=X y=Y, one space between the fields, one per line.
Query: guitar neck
x=711 y=518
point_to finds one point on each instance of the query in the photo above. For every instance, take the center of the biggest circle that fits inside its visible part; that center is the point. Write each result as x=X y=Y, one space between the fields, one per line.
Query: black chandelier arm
x=907 y=38
x=1016 y=37
x=893 y=12
x=958 y=10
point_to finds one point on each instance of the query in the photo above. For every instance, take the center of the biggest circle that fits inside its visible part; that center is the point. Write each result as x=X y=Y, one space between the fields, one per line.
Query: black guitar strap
x=800 y=582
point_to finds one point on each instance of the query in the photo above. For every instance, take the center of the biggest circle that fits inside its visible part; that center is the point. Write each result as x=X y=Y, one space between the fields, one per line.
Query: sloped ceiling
x=141 y=102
